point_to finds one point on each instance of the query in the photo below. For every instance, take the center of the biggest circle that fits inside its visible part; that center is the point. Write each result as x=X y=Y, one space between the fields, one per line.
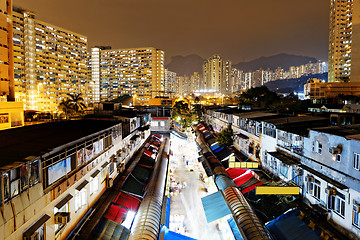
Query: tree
x=65 y=106
x=224 y=138
x=72 y=105
x=197 y=112
x=197 y=99
x=76 y=102
x=259 y=97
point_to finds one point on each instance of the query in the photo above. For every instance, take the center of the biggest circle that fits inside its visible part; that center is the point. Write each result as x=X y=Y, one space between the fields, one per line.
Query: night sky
x=239 y=30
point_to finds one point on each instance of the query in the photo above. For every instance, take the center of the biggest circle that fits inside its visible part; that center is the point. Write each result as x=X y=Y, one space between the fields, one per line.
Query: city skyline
x=189 y=27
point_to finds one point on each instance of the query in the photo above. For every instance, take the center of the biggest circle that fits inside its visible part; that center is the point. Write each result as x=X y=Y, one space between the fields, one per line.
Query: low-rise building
x=304 y=151
x=51 y=174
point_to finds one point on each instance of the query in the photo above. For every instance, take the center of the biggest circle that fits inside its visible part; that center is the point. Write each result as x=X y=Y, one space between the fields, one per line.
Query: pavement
x=187 y=215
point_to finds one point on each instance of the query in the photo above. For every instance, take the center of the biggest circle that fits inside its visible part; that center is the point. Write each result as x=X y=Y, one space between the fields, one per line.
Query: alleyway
x=187 y=213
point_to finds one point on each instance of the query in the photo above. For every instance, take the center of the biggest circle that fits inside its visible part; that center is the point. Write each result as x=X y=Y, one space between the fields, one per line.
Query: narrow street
x=187 y=215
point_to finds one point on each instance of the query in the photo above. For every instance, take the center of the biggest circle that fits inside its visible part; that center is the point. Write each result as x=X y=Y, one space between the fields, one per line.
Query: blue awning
x=166 y=234
x=167 y=214
x=289 y=227
x=215 y=206
x=215 y=146
x=235 y=229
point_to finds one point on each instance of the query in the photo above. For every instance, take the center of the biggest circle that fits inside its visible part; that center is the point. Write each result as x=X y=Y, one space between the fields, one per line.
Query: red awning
x=235 y=172
x=128 y=201
x=252 y=187
x=243 y=178
x=115 y=213
x=148 y=153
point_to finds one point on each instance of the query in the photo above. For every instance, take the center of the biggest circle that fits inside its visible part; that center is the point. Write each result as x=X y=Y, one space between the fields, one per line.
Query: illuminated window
x=80 y=199
x=94 y=185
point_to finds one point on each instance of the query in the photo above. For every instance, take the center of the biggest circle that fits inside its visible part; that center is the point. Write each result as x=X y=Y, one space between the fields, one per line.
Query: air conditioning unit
x=299 y=171
x=109 y=182
x=310 y=178
x=34 y=236
x=62 y=217
x=336 y=150
x=330 y=191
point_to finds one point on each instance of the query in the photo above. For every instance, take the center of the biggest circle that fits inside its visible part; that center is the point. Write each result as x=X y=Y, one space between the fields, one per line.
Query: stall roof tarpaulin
x=289 y=227
x=115 y=213
x=166 y=234
x=127 y=201
x=215 y=206
x=110 y=230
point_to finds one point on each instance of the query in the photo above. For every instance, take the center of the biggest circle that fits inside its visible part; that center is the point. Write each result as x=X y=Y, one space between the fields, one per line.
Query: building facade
x=49 y=62
x=170 y=83
x=323 y=161
x=46 y=193
x=138 y=72
x=216 y=75
x=344 y=41
x=11 y=112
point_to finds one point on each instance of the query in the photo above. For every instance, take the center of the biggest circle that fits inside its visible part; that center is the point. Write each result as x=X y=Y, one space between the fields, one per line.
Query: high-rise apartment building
x=170 y=82
x=11 y=112
x=225 y=83
x=6 y=52
x=217 y=75
x=196 y=81
x=138 y=72
x=49 y=62
x=212 y=69
x=344 y=41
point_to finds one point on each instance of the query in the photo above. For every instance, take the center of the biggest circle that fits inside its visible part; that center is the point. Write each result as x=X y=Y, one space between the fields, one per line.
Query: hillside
x=186 y=65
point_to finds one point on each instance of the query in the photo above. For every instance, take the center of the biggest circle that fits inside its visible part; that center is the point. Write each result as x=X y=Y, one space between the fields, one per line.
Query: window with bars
x=356 y=161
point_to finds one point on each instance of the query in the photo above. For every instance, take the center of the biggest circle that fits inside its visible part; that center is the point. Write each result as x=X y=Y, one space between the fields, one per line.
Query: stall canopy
x=134 y=186
x=166 y=234
x=235 y=172
x=141 y=173
x=289 y=227
x=110 y=230
x=215 y=206
x=115 y=213
x=214 y=146
x=245 y=179
x=128 y=201
x=235 y=230
x=146 y=161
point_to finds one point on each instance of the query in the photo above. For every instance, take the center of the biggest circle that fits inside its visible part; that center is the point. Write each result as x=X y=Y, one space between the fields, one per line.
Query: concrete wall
x=11 y=114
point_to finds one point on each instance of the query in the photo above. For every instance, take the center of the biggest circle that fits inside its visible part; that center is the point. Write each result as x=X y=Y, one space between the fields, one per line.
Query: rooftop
x=19 y=143
x=255 y=114
x=347 y=131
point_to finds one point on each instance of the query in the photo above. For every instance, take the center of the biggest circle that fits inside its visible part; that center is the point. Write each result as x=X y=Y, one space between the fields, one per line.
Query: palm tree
x=76 y=102
x=65 y=106
x=72 y=104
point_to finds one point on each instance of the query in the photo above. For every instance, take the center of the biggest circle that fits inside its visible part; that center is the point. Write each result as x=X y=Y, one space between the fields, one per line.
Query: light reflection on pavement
x=187 y=215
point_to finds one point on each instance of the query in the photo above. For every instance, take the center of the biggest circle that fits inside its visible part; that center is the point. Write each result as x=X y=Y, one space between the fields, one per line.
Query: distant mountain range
x=187 y=65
